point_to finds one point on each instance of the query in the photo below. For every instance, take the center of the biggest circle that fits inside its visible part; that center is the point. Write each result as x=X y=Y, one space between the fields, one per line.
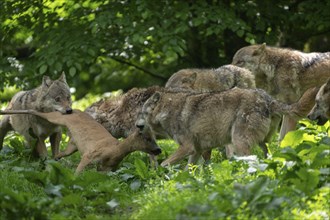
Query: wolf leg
x=207 y=155
x=5 y=127
x=55 y=140
x=153 y=160
x=182 y=152
x=229 y=151
x=41 y=148
x=193 y=159
x=288 y=124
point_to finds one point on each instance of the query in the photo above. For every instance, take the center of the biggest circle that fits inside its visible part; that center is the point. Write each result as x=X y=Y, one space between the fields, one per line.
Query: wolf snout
x=320 y=120
x=68 y=111
x=140 y=124
x=141 y=127
x=156 y=151
x=311 y=117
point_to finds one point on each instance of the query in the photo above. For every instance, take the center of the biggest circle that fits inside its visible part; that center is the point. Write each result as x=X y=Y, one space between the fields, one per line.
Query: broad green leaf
x=308 y=180
x=72 y=71
x=292 y=138
x=141 y=168
x=135 y=185
x=43 y=69
x=54 y=190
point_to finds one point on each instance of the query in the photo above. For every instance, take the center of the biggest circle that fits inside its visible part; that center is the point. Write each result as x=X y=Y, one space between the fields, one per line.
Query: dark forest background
x=106 y=45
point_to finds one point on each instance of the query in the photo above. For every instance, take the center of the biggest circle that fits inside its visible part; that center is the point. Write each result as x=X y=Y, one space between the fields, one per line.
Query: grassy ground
x=292 y=184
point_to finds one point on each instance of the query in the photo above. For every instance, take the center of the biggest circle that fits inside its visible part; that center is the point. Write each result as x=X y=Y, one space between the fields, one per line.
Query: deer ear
x=260 y=50
x=46 y=81
x=62 y=77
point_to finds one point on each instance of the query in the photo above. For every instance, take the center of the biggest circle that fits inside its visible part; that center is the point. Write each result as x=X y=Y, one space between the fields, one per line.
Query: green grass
x=292 y=184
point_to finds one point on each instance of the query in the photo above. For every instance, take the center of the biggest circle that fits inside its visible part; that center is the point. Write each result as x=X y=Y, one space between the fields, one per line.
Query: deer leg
x=288 y=124
x=183 y=151
x=85 y=160
x=70 y=149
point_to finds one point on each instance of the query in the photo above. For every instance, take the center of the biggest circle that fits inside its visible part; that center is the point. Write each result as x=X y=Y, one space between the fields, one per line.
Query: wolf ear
x=327 y=86
x=190 y=79
x=62 y=77
x=193 y=76
x=155 y=97
x=46 y=81
x=260 y=50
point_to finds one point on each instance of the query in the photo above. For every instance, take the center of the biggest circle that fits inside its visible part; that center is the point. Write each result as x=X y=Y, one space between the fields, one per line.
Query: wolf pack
x=234 y=107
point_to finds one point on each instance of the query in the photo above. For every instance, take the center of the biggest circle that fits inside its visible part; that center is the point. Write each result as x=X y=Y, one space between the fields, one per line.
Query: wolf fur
x=49 y=96
x=199 y=122
x=321 y=109
x=118 y=115
x=93 y=141
x=208 y=80
x=211 y=80
x=284 y=73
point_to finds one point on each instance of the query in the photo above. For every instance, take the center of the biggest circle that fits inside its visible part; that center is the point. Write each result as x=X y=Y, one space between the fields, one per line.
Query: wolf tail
x=299 y=109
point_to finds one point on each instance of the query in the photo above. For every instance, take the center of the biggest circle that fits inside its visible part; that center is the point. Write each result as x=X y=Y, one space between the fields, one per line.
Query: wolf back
x=208 y=80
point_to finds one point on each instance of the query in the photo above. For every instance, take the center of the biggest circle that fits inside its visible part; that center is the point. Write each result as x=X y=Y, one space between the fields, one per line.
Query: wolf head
x=249 y=57
x=55 y=95
x=183 y=79
x=146 y=111
x=321 y=109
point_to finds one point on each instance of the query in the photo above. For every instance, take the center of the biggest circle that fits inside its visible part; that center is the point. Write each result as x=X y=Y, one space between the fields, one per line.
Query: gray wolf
x=118 y=115
x=284 y=73
x=93 y=141
x=199 y=122
x=321 y=109
x=49 y=96
x=211 y=80
x=208 y=80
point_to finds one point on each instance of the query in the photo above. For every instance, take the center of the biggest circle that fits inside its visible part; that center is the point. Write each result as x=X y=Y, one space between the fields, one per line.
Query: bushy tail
x=299 y=109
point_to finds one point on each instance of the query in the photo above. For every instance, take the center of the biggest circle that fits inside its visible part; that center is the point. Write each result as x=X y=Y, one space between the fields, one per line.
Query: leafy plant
x=292 y=184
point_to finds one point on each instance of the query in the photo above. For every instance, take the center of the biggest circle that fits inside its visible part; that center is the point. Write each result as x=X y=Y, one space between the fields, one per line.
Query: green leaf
x=54 y=190
x=288 y=153
x=135 y=185
x=308 y=180
x=113 y=204
x=43 y=69
x=292 y=138
x=58 y=66
x=72 y=71
x=183 y=176
x=240 y=33
x=141 y=168
x=71 y=199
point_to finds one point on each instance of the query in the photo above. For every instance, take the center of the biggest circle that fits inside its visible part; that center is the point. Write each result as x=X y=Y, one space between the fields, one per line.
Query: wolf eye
x=57 y=99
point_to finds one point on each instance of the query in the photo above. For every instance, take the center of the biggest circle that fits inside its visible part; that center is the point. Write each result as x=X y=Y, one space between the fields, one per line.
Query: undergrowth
x=293 y=183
